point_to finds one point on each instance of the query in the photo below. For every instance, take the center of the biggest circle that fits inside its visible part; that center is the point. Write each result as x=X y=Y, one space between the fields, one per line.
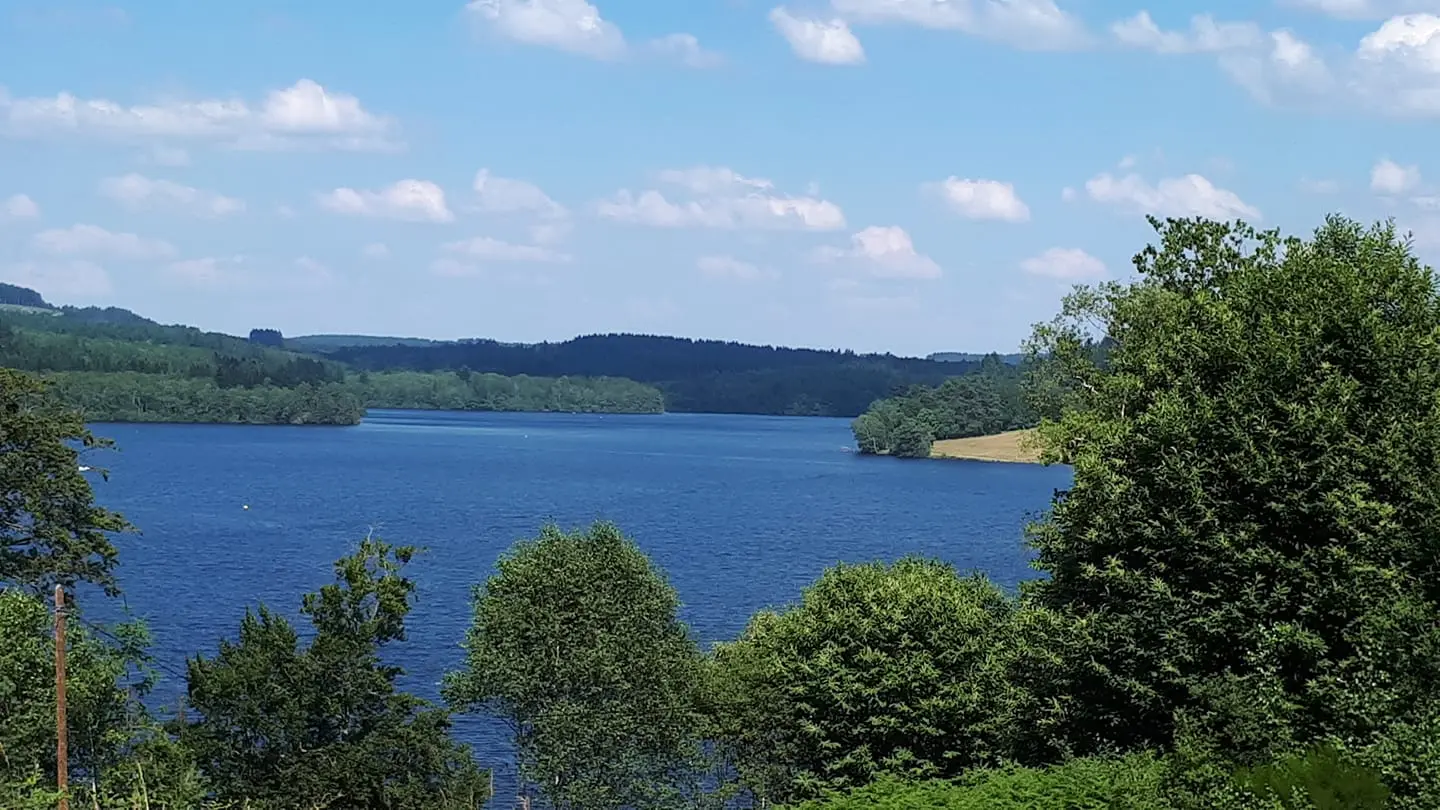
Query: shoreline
x=1004 y=448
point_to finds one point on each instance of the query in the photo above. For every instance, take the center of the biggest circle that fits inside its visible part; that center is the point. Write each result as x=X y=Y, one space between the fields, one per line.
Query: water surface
x=741 y=511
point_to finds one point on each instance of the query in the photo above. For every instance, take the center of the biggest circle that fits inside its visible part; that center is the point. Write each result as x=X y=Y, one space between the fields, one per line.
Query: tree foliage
x=322 y=724
x=1252 y=527
x=906 y=669
x=989 y=400
x=576 y=644
x=1131 y=783
x=51 y=531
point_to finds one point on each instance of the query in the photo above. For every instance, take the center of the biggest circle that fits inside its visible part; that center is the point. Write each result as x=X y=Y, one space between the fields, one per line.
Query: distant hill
x=330 y=343
x=973 y=357
x=698 y=376
x=16 y=298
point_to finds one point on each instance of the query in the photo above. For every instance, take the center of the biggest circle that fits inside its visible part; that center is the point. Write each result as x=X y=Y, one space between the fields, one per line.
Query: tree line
x=989 y=400
x=1238 y=604
x=696 y=376
x=144 y=372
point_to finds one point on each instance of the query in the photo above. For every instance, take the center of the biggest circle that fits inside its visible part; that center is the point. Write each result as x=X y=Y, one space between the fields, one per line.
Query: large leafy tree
x=51 y=530
x=905 y=670
x=322 y=724
x=576 y=643
x=1253 y=531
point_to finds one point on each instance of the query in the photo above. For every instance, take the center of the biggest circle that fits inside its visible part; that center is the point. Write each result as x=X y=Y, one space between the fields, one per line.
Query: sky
x=881 y=175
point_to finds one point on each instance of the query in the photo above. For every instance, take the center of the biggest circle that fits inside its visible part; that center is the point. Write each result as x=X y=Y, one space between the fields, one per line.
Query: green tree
x=323 y=725
x=1131 y=783
x=109 y=733
x=1253 y=531
x=906 y=669
x=576 y=644
x=51 y=531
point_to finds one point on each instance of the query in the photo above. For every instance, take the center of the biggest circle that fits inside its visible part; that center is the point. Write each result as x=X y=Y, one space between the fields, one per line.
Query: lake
x=741 y=512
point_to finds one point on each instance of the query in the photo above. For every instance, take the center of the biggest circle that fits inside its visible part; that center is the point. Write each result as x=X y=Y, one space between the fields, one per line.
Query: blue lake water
x=741 y=511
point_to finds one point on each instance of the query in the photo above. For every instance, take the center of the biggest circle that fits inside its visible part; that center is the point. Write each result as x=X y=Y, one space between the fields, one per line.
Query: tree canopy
x=51 y=530
x=322 y=724
x=576 y=643
x=1252 y=528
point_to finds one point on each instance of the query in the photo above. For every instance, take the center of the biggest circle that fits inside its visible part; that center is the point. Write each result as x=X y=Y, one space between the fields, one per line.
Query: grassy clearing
x=1006 y=446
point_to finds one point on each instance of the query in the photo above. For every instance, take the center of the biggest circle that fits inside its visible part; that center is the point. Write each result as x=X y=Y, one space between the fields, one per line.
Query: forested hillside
x=117 y=366
x=704 y=376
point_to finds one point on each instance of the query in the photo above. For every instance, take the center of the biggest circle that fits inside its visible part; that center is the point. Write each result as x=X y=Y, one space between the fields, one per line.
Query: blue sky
x=894 y=175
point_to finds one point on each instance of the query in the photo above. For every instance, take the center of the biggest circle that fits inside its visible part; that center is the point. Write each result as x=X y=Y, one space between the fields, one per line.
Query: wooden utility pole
x=62 y=755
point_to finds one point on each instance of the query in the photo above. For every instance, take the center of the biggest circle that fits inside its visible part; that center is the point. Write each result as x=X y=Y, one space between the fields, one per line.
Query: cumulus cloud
x=1027 y=24
x=721 y=198
x=92 y=240
x=304 y=115
x=136 y=191
x=1064 y=264
x=1190 y=195
x=406 y=200
x=1390 y=178
x=1364 y=9
x=488 y=249
x=503 y=195
x=686 y=49
x=19 y=206
x=574 y=26
x=827 y=42
x=1393 y=70
x=727 y=267
x=981 y=199
x=64 y=279
x=375 y=250
x=884 y=252
x=1205 y=35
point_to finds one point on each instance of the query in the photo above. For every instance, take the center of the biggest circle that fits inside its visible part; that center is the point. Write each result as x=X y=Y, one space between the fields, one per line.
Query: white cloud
x=375 y=250
x=406 y=200
x=727 y=267
x=1393 y=70
x=574 y=26
x=711 y=179
x=1065 y=264
x=304 y=115
x=1205 y=35
x=485 y=248
x=91 y=240
x=1190 y=195
x=686 y=49
x=502 y=195
x=135 y=191
x=19 y=206
x=827 y=42
x=723 y=198
x=885 y=252
x=982 y=199
x=60 y=280
x=1364 y=9
x=1390 y=178
x=1027 y=24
